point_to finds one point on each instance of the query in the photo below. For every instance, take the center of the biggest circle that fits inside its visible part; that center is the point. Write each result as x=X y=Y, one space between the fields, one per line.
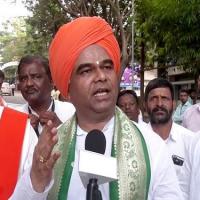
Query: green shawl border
x=64 y=166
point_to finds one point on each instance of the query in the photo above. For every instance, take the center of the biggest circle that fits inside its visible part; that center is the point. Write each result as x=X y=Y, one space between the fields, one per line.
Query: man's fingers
x=52 y=160
x=46 y=142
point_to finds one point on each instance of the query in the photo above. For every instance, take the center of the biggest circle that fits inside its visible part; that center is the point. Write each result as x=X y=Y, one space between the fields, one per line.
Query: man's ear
x=144 y=105
x=68 y=97
x=52 y=84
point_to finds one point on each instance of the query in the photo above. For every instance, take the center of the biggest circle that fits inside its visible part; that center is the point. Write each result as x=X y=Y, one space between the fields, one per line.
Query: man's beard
x=154 y=119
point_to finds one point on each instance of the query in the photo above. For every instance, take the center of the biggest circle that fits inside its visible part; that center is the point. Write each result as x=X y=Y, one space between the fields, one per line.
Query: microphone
x=96 y=142
x=93 y=164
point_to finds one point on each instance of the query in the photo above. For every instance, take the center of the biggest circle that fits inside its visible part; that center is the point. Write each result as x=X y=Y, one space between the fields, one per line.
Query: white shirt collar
x=173 y=135
x=33 y=112
x=80 y=131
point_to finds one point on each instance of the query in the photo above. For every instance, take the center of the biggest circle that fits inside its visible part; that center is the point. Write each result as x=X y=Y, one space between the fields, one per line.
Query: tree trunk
x=142 y=51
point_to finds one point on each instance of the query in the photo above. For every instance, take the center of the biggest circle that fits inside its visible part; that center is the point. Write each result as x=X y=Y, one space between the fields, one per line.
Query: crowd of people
x=40 y=148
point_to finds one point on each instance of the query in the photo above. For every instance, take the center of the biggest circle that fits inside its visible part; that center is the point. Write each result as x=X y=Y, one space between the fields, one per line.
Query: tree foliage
x=175 y=30
x=47 y=16
x=165 y=31
x=12 y=40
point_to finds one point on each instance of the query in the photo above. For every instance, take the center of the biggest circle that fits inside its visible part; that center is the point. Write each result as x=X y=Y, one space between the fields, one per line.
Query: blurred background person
x=192 y=96
x=191 y=116
x=129 y=103
x=182 y=107
x=2 y=77
x=12 y=86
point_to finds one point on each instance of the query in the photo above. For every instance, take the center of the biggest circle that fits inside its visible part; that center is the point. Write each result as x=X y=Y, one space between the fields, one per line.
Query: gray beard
x=163 y=120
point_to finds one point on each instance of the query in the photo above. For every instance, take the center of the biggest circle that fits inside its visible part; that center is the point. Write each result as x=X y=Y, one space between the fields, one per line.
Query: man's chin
x=104 y=108
x=159 y=121
x=31 y=99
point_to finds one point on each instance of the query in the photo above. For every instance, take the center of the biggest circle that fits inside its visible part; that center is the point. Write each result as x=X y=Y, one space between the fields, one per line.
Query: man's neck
x=40 y=107
x=163 y=130
x=96 y=121
x=183 y=103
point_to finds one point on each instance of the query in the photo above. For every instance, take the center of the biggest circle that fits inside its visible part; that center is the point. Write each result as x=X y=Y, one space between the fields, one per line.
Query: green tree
x=175 y=30
x=12 y=40
x=47 y=17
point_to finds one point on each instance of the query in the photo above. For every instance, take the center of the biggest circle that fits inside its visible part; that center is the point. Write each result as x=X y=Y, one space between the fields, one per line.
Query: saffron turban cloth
x=69 y=42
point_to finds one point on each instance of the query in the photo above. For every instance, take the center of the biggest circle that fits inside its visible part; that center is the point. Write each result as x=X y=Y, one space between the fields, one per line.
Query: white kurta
x=190 y=182
x=163 y=183
x=178 y=142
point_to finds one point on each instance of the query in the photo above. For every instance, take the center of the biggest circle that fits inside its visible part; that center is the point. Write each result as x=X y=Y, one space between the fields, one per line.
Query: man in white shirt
x=17 y=143
x=35 y=84
x=192 y=115
x=91 y=65
x=190 y=182
x=159 y=97
x=182 y=107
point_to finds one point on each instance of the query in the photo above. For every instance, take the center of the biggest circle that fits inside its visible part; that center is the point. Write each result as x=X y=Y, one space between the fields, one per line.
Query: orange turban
x=69 y=42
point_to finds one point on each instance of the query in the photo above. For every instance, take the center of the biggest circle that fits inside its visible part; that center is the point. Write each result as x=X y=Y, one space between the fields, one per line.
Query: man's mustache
x=157 y=109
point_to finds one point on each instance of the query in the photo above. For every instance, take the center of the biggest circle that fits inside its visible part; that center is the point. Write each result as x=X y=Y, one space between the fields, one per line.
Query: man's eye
x=109 y=67
x=86 y=71
x=22 y=79
x=35 y=77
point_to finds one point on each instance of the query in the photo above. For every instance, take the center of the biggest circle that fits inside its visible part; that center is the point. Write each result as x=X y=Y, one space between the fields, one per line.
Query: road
x=16 y=99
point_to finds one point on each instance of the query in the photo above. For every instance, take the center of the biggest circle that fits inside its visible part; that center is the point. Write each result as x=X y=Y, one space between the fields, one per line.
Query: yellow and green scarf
x=128 y=147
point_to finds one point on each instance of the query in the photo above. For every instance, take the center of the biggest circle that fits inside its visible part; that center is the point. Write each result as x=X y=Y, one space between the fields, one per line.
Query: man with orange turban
x=85 y=64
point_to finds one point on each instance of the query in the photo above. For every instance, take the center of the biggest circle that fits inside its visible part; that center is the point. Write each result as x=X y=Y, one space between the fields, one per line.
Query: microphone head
x=95 y=141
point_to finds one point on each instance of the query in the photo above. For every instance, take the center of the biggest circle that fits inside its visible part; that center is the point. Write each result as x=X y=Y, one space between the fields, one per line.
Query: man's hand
x=43 y=158
x=34 y=121
x=49 y=115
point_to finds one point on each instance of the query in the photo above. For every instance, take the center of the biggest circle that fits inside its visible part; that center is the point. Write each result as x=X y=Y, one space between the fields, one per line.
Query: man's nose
x=100 y=75
x=29 y=81
x=159 y=102
x=127 y=106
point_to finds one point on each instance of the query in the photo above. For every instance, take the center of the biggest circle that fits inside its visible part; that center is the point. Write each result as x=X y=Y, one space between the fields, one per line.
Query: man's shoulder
x=64 y=104
x=64 y=110
x=182 y=135
x=11 y=109
x=193 y=108
x=182 y=130
x=19 y=107
x=152 y=139
x=188 y=104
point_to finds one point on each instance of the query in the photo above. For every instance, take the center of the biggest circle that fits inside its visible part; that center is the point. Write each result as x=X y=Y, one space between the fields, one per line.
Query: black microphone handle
x=93 y=193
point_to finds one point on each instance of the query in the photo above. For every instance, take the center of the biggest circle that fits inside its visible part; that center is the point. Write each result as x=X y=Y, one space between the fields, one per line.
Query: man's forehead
x=92 y=54
x=159 y=91
x=32 y=68
x=127 y=96
x=184 y=93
